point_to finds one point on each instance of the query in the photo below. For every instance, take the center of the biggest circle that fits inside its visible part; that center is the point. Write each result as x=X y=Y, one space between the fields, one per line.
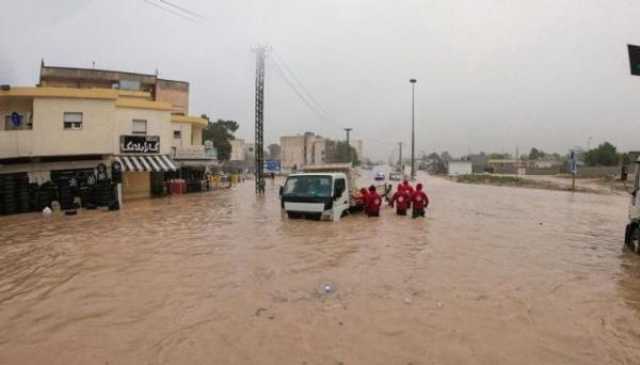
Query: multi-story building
x=298 y=151
x=78 y=118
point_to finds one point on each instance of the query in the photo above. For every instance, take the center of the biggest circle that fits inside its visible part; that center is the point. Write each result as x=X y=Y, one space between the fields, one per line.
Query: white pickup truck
x=320 y=192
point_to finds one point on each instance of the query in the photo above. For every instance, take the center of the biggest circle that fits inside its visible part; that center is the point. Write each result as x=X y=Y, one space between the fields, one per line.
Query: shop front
x=144 y=169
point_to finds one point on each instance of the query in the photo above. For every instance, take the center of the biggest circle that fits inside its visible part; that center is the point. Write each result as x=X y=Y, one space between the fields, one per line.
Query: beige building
x=65 y=125
x=298 y=151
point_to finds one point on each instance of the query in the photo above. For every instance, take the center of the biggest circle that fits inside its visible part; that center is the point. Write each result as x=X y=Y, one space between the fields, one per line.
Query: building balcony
x=194 y=152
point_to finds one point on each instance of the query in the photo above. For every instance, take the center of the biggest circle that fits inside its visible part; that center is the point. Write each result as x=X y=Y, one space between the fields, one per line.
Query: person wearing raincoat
x=401 y=200
x=373 y=202
x=419 y=201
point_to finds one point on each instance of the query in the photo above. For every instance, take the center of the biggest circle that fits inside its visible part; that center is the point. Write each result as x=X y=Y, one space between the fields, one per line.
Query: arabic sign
x=139 y=144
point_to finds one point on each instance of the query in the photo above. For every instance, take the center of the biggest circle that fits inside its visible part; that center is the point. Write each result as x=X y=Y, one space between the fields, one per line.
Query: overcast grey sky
x=492 y=75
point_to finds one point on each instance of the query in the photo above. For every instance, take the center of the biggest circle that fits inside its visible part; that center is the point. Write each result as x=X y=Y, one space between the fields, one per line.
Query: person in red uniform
x=401 y=200
x=420 y=202
x=407 y=187
x=363 y=198
x=374 y=201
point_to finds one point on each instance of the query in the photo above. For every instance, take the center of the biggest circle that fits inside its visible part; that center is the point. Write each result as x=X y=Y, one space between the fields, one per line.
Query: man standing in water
x=401 y=200
x=373 y=202
x=420 y=202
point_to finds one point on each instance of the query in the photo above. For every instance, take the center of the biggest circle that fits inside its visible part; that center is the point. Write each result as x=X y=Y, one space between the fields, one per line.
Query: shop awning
x=146 y=163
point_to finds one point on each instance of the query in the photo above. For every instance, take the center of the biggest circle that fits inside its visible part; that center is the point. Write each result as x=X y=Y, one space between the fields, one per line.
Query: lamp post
x=413 y=129
x=348 y=130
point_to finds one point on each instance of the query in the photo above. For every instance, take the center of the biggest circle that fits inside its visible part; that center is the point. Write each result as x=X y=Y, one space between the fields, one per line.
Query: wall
x=598 y=171
x=158 y=124
x=459 y=168
x=48 y=136
x=292 y=151
x=196 y=135
x=185 y=136
x=238 y=152
x=174 y=92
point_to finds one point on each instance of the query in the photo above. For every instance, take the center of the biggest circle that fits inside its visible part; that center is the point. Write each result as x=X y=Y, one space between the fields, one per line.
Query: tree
x=603 y=155
x=536 y=154
x=220 y=133
x=339 y=152
x=274 y=151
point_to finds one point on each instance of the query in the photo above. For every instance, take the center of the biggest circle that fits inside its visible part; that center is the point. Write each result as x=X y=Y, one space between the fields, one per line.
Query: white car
x=379 y=176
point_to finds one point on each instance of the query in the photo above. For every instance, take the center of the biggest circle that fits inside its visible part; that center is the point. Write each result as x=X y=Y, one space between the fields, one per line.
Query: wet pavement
x=494 y=275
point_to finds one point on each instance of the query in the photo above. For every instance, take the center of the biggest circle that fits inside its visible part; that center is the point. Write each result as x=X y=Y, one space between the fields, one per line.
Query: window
x=72 y=120
x=18 y=121
x=139 y=126
x=177 y=134
x=340 y=186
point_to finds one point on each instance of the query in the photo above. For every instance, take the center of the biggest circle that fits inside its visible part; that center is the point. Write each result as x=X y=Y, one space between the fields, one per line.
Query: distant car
x=395 y=176
x=379 y=176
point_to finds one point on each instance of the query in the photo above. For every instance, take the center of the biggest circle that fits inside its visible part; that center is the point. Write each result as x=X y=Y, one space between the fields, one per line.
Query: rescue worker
x=420 y=202
x=401 y=200
x=363 y=197
x=407 y=187
x=373 y=202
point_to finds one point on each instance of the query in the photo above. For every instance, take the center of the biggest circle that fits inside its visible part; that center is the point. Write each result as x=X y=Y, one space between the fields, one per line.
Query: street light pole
x=348 y=130
x=413 y=129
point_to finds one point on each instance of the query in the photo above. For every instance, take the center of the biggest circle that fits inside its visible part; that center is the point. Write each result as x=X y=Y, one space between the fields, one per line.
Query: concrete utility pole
x=413 y=128
x=348 y=130
x=400 y=166
x=259 y=127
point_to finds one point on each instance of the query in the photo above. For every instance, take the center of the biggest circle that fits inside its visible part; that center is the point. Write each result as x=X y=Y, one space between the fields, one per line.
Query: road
x=493 y=275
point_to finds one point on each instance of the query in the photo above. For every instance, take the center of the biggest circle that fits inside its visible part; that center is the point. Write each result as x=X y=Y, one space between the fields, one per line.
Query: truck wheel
x=634 y=239
x=293 y=215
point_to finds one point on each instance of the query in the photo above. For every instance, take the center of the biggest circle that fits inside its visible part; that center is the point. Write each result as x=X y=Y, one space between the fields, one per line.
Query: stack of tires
x=65 y=196
x=1 y=194
x=9 y=194
x=22 y=194
x=104 y=194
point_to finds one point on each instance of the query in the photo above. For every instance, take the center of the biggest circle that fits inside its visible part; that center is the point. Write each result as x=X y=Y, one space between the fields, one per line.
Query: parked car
x=395 y=176
x=379 y=176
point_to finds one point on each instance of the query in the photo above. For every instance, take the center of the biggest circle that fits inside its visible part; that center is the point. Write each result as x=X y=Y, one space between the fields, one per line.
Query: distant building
x=301 y=150
x=459 y=167
x=238 y=150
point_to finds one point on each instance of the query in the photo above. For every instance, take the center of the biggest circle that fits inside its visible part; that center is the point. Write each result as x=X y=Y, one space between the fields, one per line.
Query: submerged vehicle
x=379 y=176
x=632 y=231
x=320 y=192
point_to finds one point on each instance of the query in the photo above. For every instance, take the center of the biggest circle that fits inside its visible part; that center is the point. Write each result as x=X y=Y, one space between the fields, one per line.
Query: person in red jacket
x=374 y=201
x=401 y=200
x=407 y=187
x=420 y=202
x=362 y=198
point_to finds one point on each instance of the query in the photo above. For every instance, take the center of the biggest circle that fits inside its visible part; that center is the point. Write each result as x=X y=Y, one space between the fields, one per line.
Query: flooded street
x=494 y=275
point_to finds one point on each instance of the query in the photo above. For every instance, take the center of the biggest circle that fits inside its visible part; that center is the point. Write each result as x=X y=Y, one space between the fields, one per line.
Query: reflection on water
x=493 y=275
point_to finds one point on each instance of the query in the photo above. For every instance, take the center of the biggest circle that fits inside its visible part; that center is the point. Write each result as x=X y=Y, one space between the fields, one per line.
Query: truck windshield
x=316 y=186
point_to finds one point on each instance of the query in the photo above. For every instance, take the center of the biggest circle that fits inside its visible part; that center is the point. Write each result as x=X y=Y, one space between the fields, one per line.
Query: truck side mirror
x=281 y=190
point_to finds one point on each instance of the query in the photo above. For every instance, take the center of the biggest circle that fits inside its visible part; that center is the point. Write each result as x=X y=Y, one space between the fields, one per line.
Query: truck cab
x=316 y=195
x=632 y=231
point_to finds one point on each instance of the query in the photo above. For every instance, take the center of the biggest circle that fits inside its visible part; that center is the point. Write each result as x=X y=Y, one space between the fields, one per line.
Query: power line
x=164 y=8
x=182 y=9
x=280 y=60
x=300 y=95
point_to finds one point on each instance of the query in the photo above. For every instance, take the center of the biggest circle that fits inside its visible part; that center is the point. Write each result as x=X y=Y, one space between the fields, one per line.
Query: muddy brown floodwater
x=494 y=275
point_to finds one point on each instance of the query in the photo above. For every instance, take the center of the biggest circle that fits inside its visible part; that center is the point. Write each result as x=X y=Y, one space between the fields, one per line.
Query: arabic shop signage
x=139 y=144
